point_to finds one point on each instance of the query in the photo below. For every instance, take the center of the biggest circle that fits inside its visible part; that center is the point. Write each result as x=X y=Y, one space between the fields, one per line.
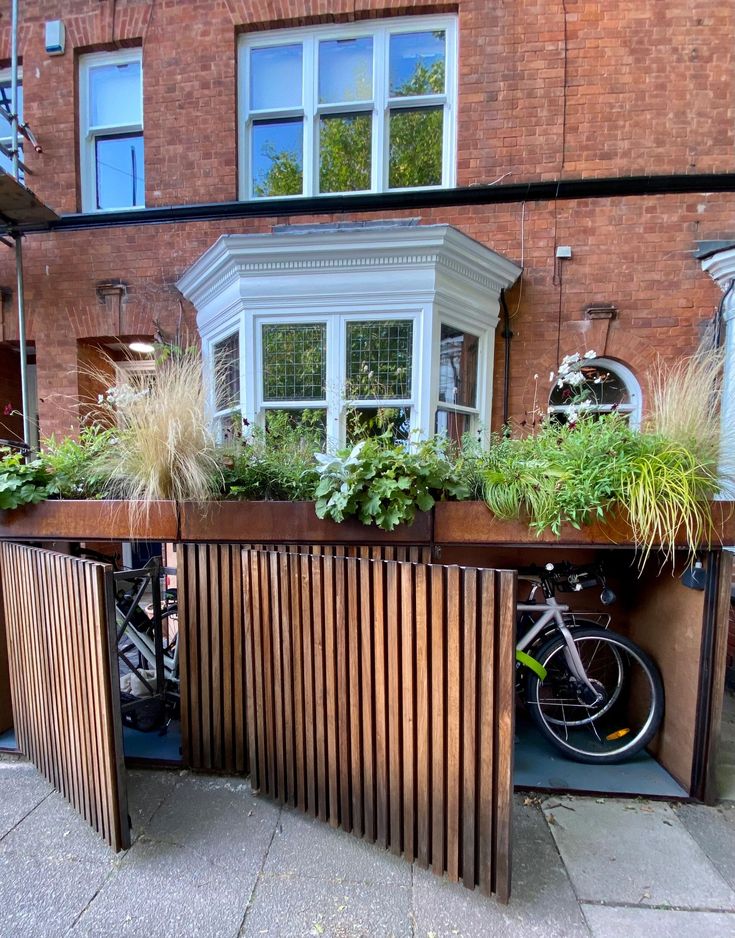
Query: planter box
x=470 y=523
x=287 y=523
x=91 y=520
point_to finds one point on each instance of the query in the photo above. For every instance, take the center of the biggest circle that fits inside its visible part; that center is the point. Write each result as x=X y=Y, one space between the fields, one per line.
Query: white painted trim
x=378 y=105
x=88 y=132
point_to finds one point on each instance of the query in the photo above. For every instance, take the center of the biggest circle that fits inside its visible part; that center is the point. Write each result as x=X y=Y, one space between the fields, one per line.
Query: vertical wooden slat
x=65 y=680
x=504 y=729
x=438 y=709
x=355 y=703
x=382 y=818
x=367 y=697
x=454 y=765
x=423 y=729
x=486 y=724
x=395 y=767
x=284 y=589
x=333 y=651
x=309 y=715
x=298 y=689
x=252 y=669
x=276 y=654
x=320 y=704
x=205 y=659
x=408 y=639
x=469 y=717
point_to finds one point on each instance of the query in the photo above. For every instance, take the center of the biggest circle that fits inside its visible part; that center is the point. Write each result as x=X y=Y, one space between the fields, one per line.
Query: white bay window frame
x=378 y=106
x=428 y=274
x=89 y=133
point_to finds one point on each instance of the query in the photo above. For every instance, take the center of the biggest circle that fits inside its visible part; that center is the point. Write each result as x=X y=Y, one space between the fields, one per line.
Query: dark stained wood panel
x=60 y=620
x=412 y=705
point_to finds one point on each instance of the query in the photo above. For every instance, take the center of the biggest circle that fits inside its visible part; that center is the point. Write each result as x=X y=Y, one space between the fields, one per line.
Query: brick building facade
x=566 y=99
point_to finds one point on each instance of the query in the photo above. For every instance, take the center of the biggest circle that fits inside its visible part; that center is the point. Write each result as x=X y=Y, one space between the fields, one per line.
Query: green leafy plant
x=276 y=463
x=77 y=465
x=21 y=482
x=384 y=483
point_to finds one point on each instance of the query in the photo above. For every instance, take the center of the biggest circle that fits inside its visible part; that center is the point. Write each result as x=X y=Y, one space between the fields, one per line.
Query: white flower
x=590 y=354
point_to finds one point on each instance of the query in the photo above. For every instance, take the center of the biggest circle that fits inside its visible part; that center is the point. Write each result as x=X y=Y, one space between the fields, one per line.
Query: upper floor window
x=360 y=107
x=111 y=129
x=6 y=131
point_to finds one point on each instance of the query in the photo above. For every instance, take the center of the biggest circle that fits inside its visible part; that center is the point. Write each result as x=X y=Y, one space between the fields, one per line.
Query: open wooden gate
x=60 y=621
x=374 y=694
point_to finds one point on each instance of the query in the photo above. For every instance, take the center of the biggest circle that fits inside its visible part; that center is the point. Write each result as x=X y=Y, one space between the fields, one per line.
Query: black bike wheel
x=630 y=704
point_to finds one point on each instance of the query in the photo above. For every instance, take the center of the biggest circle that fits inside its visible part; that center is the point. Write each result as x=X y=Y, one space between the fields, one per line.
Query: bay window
x=356 y=330
x=111 y=130
x=358 y=107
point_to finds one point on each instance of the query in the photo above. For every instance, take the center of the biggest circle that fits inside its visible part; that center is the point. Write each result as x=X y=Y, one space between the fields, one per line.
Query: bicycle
x=594 y=694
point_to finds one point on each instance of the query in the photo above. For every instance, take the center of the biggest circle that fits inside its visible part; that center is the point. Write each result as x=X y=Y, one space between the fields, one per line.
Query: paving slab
x=307 y=847
x=542 y=900
x=146 y=793
x=294 y=906
x=714 y=831
x=162 y=890
x=612 y=922
x=637 y=853
x=22 y=789
x=51 y=866
x=217 y=818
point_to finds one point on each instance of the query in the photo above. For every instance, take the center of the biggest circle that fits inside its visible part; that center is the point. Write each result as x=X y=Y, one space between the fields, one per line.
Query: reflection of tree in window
x=379 y=359
x=294 y=362
x=227 y=372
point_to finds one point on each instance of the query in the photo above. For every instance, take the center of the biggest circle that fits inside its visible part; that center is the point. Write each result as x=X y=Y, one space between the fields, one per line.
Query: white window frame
x=5 y=79
x=634 y=407
x=88 y=134
x=218 y=416
x=378 y=106
x=335 y=402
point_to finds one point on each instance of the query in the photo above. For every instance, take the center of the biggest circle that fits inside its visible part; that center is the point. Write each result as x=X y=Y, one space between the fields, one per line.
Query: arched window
x=605 y=386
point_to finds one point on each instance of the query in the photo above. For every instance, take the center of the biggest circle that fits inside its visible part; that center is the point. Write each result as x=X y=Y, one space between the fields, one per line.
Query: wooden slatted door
x=380 y=698
x=60 y=622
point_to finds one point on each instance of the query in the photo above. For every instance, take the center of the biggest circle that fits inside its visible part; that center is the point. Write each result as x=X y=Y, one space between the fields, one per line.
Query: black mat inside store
x=539 y=766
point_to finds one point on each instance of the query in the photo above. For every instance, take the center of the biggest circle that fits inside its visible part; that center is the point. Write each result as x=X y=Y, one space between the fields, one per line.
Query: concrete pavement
x=211 y=859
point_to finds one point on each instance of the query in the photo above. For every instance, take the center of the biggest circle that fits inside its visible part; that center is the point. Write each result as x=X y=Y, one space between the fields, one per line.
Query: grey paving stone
x=714 y=831
x=22 y=789
x=293 y=906
x=146 y=793
x=310 y=848
x=55 y=832
x=612 y=922
x=218 y=818
x=163 y=890
x=634 y=853
x=542 y=901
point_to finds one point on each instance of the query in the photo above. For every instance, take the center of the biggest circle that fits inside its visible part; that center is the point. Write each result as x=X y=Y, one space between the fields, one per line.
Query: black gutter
x=507 y=336
x=611 y=187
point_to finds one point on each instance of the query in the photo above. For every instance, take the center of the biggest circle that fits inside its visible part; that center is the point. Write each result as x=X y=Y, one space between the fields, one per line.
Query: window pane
x=379 y=359
x=120 y=171
x=7 y=102
x=458 y=367
x=277 y=157
x=415 y=147
x=310 y=423
x=599 y=386
x=452 y=425
x=345 y=70
x=275 y=77
x=226 y=356
x=114 y=95
x=294 y=362
x=417 y=63
x=344 y=152
x=228 y=427
x=364 y=422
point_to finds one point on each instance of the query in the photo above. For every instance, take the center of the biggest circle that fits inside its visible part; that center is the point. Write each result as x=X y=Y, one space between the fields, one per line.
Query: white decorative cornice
x=236 y=259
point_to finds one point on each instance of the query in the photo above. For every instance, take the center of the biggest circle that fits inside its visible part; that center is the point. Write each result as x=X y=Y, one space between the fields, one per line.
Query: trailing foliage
x=275 y=464
x=21 y=482
x=383 y=483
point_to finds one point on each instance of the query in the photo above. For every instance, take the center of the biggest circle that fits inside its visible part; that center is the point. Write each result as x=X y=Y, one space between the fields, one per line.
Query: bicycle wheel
x=612 y=723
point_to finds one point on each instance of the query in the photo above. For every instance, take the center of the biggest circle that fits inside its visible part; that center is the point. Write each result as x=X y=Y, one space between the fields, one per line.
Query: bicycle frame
x=551 y=610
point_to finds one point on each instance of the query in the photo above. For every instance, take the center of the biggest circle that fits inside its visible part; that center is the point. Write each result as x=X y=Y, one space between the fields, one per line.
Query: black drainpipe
x=507 y=336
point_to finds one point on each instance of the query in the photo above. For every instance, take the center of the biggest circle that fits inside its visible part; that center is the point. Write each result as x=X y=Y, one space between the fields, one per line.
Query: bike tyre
x=656 y=708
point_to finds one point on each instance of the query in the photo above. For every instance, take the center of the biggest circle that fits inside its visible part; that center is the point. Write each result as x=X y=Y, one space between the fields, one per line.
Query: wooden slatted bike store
x=376 y=695
x=60 y=624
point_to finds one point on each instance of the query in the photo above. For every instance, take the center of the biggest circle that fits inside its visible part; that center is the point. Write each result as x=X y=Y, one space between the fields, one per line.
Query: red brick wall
x=607 y=90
